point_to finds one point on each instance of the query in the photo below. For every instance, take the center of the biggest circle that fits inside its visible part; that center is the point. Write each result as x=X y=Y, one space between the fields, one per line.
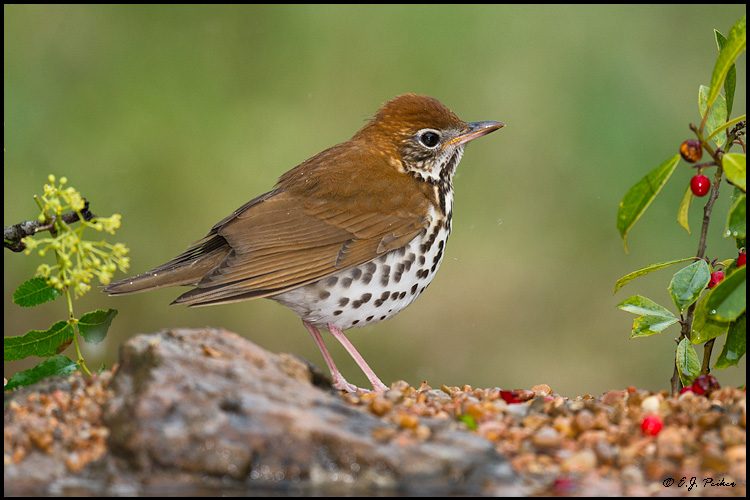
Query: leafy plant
x=77 y=262
x=709 y=295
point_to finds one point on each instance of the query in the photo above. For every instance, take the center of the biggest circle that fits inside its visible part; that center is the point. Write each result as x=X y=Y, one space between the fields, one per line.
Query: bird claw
x=378 y=386
x=342 y=385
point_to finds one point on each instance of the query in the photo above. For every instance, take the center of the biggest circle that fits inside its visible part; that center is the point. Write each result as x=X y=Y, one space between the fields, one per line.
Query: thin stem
x=39 y=204
x=712 y=197
x=74 y=323
x=675 y=382
x=707 y=348
x=705 y=164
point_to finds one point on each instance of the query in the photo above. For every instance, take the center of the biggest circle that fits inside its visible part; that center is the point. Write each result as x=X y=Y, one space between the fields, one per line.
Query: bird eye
x=429 y=138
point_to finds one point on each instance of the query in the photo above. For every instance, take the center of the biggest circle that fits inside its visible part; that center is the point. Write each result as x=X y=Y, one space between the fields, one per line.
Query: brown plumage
x=342 y=208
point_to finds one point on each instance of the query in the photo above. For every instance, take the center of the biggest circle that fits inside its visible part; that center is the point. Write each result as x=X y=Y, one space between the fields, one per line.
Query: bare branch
x=12 y=235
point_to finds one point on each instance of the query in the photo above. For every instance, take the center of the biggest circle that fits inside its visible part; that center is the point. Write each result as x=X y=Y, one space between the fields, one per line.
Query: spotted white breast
x=376 y=290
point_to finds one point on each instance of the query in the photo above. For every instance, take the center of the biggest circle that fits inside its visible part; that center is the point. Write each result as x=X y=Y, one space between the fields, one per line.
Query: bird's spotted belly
x=373 y=291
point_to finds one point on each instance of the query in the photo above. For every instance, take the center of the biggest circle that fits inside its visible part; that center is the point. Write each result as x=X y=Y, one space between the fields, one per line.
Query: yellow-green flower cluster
x=78 y=261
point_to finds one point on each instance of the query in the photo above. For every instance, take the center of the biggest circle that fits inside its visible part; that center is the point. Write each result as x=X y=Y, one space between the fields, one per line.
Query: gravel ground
x=63 y=418
x=624 y=442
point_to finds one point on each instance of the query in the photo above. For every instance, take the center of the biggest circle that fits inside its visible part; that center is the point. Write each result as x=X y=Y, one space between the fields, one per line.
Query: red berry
x=700 y=184
x=705 y=384
x=691 y=150
x=651 y=425
x=741 y=259
x=516 y=396
x=716 y=278
x=563 y=485
x=686 y=389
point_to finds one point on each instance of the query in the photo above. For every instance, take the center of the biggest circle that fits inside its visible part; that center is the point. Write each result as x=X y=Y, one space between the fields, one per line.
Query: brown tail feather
x=187 y=268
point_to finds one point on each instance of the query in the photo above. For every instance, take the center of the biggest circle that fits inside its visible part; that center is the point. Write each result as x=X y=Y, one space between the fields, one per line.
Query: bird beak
x=474 y=131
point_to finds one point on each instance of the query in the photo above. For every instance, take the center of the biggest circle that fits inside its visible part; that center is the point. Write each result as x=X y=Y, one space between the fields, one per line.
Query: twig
x=707 y=348
x=12 y=235
x=704 y=164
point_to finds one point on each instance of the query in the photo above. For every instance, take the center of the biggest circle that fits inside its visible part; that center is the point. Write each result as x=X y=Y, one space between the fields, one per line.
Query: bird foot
x=378 y=386
x=342 y=385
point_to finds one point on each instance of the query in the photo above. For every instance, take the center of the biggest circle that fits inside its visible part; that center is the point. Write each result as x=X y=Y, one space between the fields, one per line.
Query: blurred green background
x=175 y=116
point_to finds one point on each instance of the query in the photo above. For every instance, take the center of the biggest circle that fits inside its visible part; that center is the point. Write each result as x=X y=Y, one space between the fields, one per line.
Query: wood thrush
x=347 y=238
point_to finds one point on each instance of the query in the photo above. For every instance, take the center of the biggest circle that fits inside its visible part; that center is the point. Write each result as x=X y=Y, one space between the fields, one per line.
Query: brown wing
x=335 y=211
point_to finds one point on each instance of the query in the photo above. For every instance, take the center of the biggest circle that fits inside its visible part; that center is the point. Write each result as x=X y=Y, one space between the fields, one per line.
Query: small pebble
x=546 y=438
x=714 y=459
x=613 y=397
x=708 y=420
x=541 y=390
x=583 y=461
x=407 y=421
x=380 y=406
x=732 y=435
x=669 y=443
x=651 y=404
x=584 y=420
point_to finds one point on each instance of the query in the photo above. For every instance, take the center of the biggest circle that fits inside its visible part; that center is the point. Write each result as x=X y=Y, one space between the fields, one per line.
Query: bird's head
x=422 y=136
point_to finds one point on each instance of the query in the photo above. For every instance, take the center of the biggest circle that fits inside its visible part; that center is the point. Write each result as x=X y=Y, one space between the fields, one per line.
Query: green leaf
x=734 y=46
x=736 y=193
x=704 y=327
x=730 y=123
x=716 y=117
x=640 y=196
x=684 y=210
x=727 y=299
x=740 y=240
x=731 y=80
x=649 y=269
x=34 y=292
x=688 y=283
x=734 y=168
x=735 y=345
x=638 y=304
x=645 y=326
x=737 y=219
x=94 y=325
x=41 y=343
x=56 y=365
x=688 y=365
x=654 y=318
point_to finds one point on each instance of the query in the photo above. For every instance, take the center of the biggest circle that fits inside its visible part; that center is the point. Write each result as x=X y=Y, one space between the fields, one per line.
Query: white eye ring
x=429 y=138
